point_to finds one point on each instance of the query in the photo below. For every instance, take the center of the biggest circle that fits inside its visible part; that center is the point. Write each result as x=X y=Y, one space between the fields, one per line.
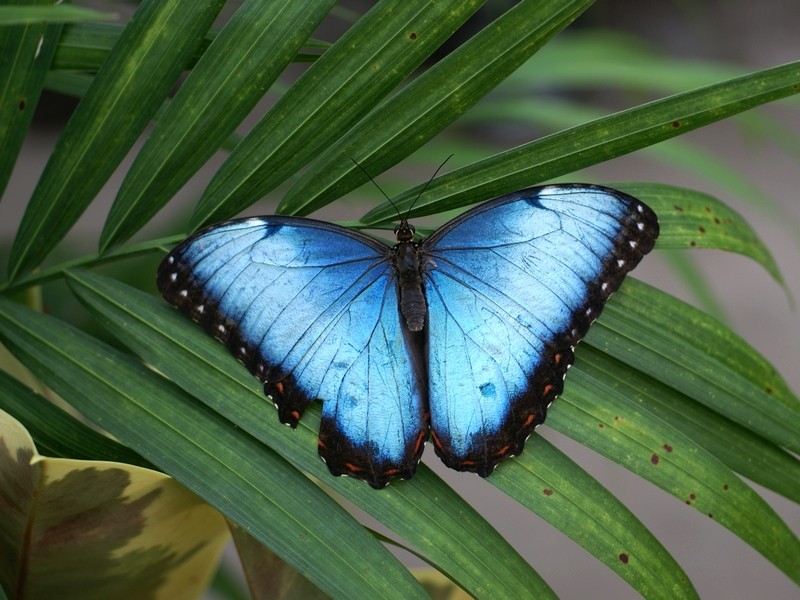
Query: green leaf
x=85 y=46
x=691 y=219
x=604 y=419
x=90 y=260
x=27 y=51
x=229 y=469
x=392 y=39
x=714 y=366
x=737 y=447
x=57 y=433
x=128 y=89
x=244 y=60
x=26 y=15
x=423 y=511
x=435 y=99
x=553 y=114
x=594 y=142
x=547 y=482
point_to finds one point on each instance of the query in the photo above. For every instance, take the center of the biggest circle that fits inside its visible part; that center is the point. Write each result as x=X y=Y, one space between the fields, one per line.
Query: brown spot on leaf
x=678 y=208
x=547 y=492
x=624 y=558
x=725 y=487
x=601 y=425
x=768 y=389
x=412 y=36
x=654 y=458
x=693 y=243
x=676 y=124
x=22 y=104
x=692 y=496
x=710 y=515
x=717 y=221
x=701 y=229
x=667 y=447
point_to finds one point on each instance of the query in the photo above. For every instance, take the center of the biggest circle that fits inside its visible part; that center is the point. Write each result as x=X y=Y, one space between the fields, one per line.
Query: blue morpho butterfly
x=465 y=336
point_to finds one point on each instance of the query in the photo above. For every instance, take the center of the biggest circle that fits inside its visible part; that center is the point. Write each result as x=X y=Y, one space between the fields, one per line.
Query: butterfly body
x=466 y=336
x=406 y=260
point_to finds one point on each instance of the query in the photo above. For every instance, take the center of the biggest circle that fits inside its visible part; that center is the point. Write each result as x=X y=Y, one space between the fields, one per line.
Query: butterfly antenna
x=435 y=173
x=375 y=183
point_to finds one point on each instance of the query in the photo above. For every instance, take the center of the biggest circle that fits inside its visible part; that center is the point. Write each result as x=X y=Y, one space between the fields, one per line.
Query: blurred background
x=750 y=163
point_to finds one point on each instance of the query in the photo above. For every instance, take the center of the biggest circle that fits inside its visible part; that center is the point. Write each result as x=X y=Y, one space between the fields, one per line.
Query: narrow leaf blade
x=126 y=92
x=434 y=100
x=393 y=38
x=594 y=142
x=254 y=47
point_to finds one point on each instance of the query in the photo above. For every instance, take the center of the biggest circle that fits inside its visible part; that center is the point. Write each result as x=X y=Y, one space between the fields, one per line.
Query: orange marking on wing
x=352 y=468
x=295 y=415
x=547 y=389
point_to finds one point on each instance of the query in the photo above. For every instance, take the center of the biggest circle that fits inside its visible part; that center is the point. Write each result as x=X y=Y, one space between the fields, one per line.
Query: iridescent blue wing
x=311 y=309
x=512 y=286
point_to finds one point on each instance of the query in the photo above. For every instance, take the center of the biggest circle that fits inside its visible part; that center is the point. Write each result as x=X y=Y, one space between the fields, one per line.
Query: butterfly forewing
x=311 y=309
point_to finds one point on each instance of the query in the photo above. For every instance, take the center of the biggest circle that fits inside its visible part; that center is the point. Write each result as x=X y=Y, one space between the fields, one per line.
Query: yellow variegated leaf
x=94 y=529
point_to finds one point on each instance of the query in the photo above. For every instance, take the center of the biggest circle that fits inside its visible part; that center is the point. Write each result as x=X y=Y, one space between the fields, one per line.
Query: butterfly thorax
x=407 y=266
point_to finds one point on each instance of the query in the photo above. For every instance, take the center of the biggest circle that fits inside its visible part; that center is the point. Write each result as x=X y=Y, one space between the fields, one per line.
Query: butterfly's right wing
x=311 y=309
x=512 y=286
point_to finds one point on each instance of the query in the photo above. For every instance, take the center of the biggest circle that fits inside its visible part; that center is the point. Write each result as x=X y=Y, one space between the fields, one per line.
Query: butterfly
x=464 y=337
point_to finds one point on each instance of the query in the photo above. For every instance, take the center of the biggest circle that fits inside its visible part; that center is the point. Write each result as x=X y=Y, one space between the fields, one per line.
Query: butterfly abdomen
x=412 y=299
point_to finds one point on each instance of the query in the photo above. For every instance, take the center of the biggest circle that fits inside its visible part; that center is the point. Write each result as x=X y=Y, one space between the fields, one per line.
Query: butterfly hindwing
x=512 y=286
x=311 y=309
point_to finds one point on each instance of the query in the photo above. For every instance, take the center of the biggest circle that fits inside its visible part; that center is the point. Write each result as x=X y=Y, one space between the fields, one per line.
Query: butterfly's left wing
x=511 y=287
x=311 y=309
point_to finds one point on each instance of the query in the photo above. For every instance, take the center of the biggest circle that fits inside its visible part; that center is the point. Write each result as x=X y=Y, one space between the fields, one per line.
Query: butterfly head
x=404 y=231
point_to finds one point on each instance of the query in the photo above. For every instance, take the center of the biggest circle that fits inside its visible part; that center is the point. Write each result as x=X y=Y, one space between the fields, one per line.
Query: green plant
x=659 y=387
